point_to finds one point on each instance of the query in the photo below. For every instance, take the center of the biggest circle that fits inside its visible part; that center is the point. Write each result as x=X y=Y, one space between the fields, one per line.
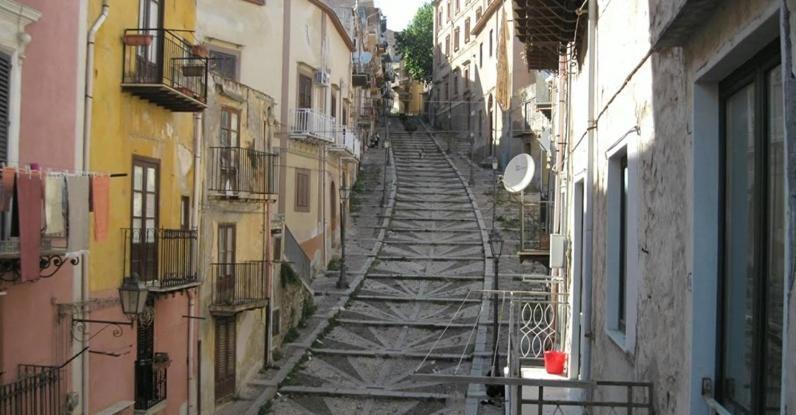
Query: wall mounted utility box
x=558 y=250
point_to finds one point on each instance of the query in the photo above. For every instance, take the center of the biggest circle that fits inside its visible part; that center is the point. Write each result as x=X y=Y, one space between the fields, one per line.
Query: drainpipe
x=195 y=223
x=588 y=242
x=87 y=115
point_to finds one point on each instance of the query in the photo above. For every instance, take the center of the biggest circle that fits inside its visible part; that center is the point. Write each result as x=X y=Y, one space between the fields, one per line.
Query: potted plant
x=200 y=51
x=137 y=39
x=161 y=360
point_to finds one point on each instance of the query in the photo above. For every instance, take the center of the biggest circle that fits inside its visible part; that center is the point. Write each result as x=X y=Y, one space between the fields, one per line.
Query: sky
x=399 y=12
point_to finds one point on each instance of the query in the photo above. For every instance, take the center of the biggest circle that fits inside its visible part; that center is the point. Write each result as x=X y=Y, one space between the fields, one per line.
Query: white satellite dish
x=519 y=173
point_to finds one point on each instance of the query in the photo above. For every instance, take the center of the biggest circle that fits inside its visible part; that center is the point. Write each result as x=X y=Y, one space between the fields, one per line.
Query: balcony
x=53 y=257
x=535 y=228
x=151 y=381
x=38 y=390
x=161 y=66
x=347 y=142
x=238 y=287
x=312 y=126
x=164 y=259
x=241 y=173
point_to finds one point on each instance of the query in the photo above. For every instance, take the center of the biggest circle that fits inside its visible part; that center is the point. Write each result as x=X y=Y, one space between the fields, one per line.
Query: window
x=481 y=55
x=276 y=243
x=467 y=82
x=750 y=314
x=333 y=107
x=5 y=88
x=447 y=45
x=226 y=243
x=302 y=190
x=277 y=322
x=345 y=115
x=185 y=213
x=467 y=30
x=439 y=20
x=145 y=218
x=230 y=127
x=458 y=6
x=478 y=12
x=491 y=41
x=305 y=91
x=224 y=63
x=449 y=10
x=621 y=244
x=456 y=39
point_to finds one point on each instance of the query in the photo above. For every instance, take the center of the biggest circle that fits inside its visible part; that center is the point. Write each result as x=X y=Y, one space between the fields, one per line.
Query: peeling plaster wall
x=659 y=99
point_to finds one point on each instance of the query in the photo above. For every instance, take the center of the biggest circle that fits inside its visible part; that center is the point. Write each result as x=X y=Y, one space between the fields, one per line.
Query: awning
x=546 y=27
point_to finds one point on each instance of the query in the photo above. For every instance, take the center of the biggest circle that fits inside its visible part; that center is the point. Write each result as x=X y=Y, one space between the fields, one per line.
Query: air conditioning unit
x=322 y=78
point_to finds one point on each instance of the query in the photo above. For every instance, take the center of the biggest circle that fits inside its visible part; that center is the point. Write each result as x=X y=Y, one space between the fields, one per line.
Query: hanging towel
x=29 y=191
x=7 y=188
x=99 y=199
x=77 y=194
x=54 y=209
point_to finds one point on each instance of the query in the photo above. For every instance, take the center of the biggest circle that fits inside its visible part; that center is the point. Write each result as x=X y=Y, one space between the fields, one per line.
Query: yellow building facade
x=150 y=78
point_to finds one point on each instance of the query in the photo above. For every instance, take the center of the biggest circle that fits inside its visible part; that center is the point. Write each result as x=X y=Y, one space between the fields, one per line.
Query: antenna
x=519 y=173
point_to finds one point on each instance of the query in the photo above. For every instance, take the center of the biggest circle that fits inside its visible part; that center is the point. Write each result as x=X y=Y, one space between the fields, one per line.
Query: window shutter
x=5 y=92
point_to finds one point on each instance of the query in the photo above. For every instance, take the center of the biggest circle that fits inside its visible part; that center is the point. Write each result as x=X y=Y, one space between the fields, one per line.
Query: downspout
x=588 y=231
x=87 y=116
x=195 y=223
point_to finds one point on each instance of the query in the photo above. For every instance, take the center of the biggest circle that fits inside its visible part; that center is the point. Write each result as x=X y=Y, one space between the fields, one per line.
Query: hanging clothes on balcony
x=77 y=195
x=55 y=206
x=9 y=175
x=100 y=204
x=29 y=196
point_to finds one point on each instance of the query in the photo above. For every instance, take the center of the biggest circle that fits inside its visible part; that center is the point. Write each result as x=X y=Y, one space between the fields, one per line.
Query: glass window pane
x=137 y=204
x=151 y=209
x=138 y=178
x=151 y=179
x=136 y=231
x=739 y=260
x=776 y=243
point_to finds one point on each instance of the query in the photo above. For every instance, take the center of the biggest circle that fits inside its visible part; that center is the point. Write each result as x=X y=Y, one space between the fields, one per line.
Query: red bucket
x=554 y=362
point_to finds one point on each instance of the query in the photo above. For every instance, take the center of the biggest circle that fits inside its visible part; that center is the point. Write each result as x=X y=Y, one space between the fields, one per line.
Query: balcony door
x=150 y=19
x=225 y=358
x=753 y=231
x=226 y=260
x=144 y=221
x=230 y=142
x=305 y=92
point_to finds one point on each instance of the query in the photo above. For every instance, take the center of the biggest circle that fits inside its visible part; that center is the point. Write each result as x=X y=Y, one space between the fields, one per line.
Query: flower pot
x=193 y=70
x=554 y=362
x=137 y=39
x=200 y=51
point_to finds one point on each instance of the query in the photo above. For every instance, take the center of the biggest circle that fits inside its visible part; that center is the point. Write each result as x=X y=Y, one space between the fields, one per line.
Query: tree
x=416 y=44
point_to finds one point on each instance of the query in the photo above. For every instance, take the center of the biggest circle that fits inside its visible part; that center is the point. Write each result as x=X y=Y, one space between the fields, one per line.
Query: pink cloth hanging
x=29 y=192
x=99 y=198
x=7 y=187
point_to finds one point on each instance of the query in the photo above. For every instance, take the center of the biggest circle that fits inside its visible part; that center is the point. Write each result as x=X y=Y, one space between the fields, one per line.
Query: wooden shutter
x=305 y=92
x=302 y=190
x=225 y=357
x=5 y=91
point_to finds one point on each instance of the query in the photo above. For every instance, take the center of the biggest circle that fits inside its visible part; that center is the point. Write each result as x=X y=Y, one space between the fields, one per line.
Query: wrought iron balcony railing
x=151 y=381
x=165 y=67
x=242 y=173
x=310 y=124
x=38 y=390
x=238 y=286
x=346 y=140
x=164 y=259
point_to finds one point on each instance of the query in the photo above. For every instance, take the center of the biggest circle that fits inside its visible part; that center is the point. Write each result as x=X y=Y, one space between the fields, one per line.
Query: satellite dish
x=519 y=173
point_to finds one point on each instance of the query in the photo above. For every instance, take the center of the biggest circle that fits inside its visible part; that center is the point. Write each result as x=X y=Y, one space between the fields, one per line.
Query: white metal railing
x=307 y=122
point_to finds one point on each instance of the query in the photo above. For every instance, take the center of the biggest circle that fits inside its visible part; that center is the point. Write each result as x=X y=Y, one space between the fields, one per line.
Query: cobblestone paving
x=415 y=291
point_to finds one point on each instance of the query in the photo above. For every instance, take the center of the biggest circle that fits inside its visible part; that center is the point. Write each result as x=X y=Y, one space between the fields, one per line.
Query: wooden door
x=144 y=220
x=225 y=358
x=305 y=92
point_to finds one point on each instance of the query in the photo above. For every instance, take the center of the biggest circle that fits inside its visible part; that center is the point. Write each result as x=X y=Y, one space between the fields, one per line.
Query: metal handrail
x=162 y=258
x=238 y=283
x=308 y=122
x=238 y=172
x=38 y=390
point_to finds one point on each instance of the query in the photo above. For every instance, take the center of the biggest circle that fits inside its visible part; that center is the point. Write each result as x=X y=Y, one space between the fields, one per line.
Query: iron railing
x=239 y=284
x=299 y=260
x=151 y=381
x=571 y=397
x=162 y=258
x=307 y=122
x=536 y=224
x=242 y=172
x=38 y=390
x=346 y=140
x=165 y=57
x=540 y=317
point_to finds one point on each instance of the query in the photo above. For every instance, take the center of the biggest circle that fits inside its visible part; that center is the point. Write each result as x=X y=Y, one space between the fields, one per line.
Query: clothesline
x=35 y=167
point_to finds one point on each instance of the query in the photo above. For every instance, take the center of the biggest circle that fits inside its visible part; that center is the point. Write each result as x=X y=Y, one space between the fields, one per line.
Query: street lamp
x=344 y=193
x=133 y=296
x=496 y=244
